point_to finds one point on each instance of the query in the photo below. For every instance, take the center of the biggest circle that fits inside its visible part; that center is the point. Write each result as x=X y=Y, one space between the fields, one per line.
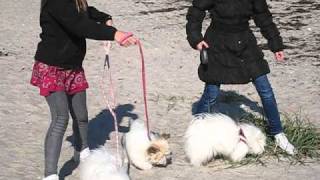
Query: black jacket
x=64 y=32
x=234 y=56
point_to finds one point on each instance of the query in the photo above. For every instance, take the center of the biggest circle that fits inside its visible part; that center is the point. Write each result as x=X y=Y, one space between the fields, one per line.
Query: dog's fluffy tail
x=197 y=149
x=100 y=165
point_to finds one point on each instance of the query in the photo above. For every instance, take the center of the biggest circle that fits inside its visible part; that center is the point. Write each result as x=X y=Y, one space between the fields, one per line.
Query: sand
x=173 y=85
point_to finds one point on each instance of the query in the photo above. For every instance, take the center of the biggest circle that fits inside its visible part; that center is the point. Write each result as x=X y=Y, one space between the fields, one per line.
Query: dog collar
x=242 y=136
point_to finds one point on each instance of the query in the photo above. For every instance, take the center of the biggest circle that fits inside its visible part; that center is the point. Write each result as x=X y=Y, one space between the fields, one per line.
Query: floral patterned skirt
x=52 y=78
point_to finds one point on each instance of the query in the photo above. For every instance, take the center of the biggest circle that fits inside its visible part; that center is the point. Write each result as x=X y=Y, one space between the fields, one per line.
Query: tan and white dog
x=143 y=153
x=210 y=135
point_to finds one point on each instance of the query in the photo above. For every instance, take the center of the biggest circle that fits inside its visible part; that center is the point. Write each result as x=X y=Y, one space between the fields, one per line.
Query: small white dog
x=143 y=153
x=101 y=165
x=210 y=135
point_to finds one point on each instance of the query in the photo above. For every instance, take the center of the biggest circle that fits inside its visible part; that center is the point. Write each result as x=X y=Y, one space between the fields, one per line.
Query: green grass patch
x=304 y=135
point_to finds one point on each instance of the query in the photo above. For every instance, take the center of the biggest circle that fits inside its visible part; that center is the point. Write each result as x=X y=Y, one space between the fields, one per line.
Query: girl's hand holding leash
x=201 y=45
x=125 y=38
x=279 y=56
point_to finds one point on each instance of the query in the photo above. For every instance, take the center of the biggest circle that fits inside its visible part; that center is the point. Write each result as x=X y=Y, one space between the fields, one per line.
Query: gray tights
x=60 y=105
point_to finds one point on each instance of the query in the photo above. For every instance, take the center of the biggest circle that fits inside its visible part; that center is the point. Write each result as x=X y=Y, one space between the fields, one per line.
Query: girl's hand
x=279 y=56
x=109 y=22
x=120 y=36
x=201 y=45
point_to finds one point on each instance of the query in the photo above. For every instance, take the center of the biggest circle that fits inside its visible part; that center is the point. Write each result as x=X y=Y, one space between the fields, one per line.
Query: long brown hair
x=81 y=5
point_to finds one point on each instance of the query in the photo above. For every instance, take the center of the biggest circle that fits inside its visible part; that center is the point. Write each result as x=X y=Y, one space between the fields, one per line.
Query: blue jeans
x=211 y=92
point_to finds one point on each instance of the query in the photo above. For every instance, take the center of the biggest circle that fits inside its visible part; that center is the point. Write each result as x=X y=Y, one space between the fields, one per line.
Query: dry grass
x=304 y=135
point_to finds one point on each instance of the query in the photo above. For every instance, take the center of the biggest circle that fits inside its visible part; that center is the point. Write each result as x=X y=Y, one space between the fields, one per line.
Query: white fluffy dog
x=210 y=135
x=143 y=153
x=101 y=165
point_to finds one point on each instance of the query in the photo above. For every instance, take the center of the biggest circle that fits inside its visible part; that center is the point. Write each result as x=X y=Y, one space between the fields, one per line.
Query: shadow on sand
x=231 y=103
x=100 y=128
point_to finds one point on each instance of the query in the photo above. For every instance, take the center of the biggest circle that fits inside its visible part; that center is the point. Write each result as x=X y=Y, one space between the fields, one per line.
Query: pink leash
x=143 y=78
x=111 y=104
x=144 y=87
x=243 y=138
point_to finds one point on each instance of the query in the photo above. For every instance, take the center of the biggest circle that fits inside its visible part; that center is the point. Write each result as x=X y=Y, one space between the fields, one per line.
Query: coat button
x=239 y=42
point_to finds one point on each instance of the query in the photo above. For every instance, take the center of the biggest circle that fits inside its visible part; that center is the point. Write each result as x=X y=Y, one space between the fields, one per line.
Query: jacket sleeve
x=97 y=15
x=195 y=17
x=66 y=14
x=263 y=19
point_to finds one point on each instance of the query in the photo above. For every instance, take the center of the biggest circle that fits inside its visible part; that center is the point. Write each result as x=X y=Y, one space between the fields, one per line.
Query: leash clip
x=107 y=47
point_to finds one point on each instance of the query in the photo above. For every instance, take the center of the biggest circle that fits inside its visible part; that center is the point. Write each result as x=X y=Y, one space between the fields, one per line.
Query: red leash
x=243 y=138
x=144 y=87
x=143 y=79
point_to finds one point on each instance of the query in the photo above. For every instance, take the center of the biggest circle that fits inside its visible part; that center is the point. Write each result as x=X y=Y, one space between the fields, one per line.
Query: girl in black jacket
x=233 y=54
x=58 y=70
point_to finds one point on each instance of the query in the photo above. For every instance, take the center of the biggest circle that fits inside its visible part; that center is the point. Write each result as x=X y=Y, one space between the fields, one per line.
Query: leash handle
x=127 y=36
x=204 y=58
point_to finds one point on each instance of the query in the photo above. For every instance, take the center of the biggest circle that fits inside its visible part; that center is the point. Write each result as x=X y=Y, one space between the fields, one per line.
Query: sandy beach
x=173 y=86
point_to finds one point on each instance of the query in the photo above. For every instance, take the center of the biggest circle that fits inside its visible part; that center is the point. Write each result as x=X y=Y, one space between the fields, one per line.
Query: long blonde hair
x=81 y=5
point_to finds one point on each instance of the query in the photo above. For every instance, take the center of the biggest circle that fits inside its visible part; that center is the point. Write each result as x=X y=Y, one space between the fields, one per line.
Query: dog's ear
x=153 y=149
x=165 y=136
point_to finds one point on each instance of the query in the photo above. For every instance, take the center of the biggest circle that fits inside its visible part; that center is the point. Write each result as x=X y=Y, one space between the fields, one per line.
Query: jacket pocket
x=253 y=52
x=224 y=52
